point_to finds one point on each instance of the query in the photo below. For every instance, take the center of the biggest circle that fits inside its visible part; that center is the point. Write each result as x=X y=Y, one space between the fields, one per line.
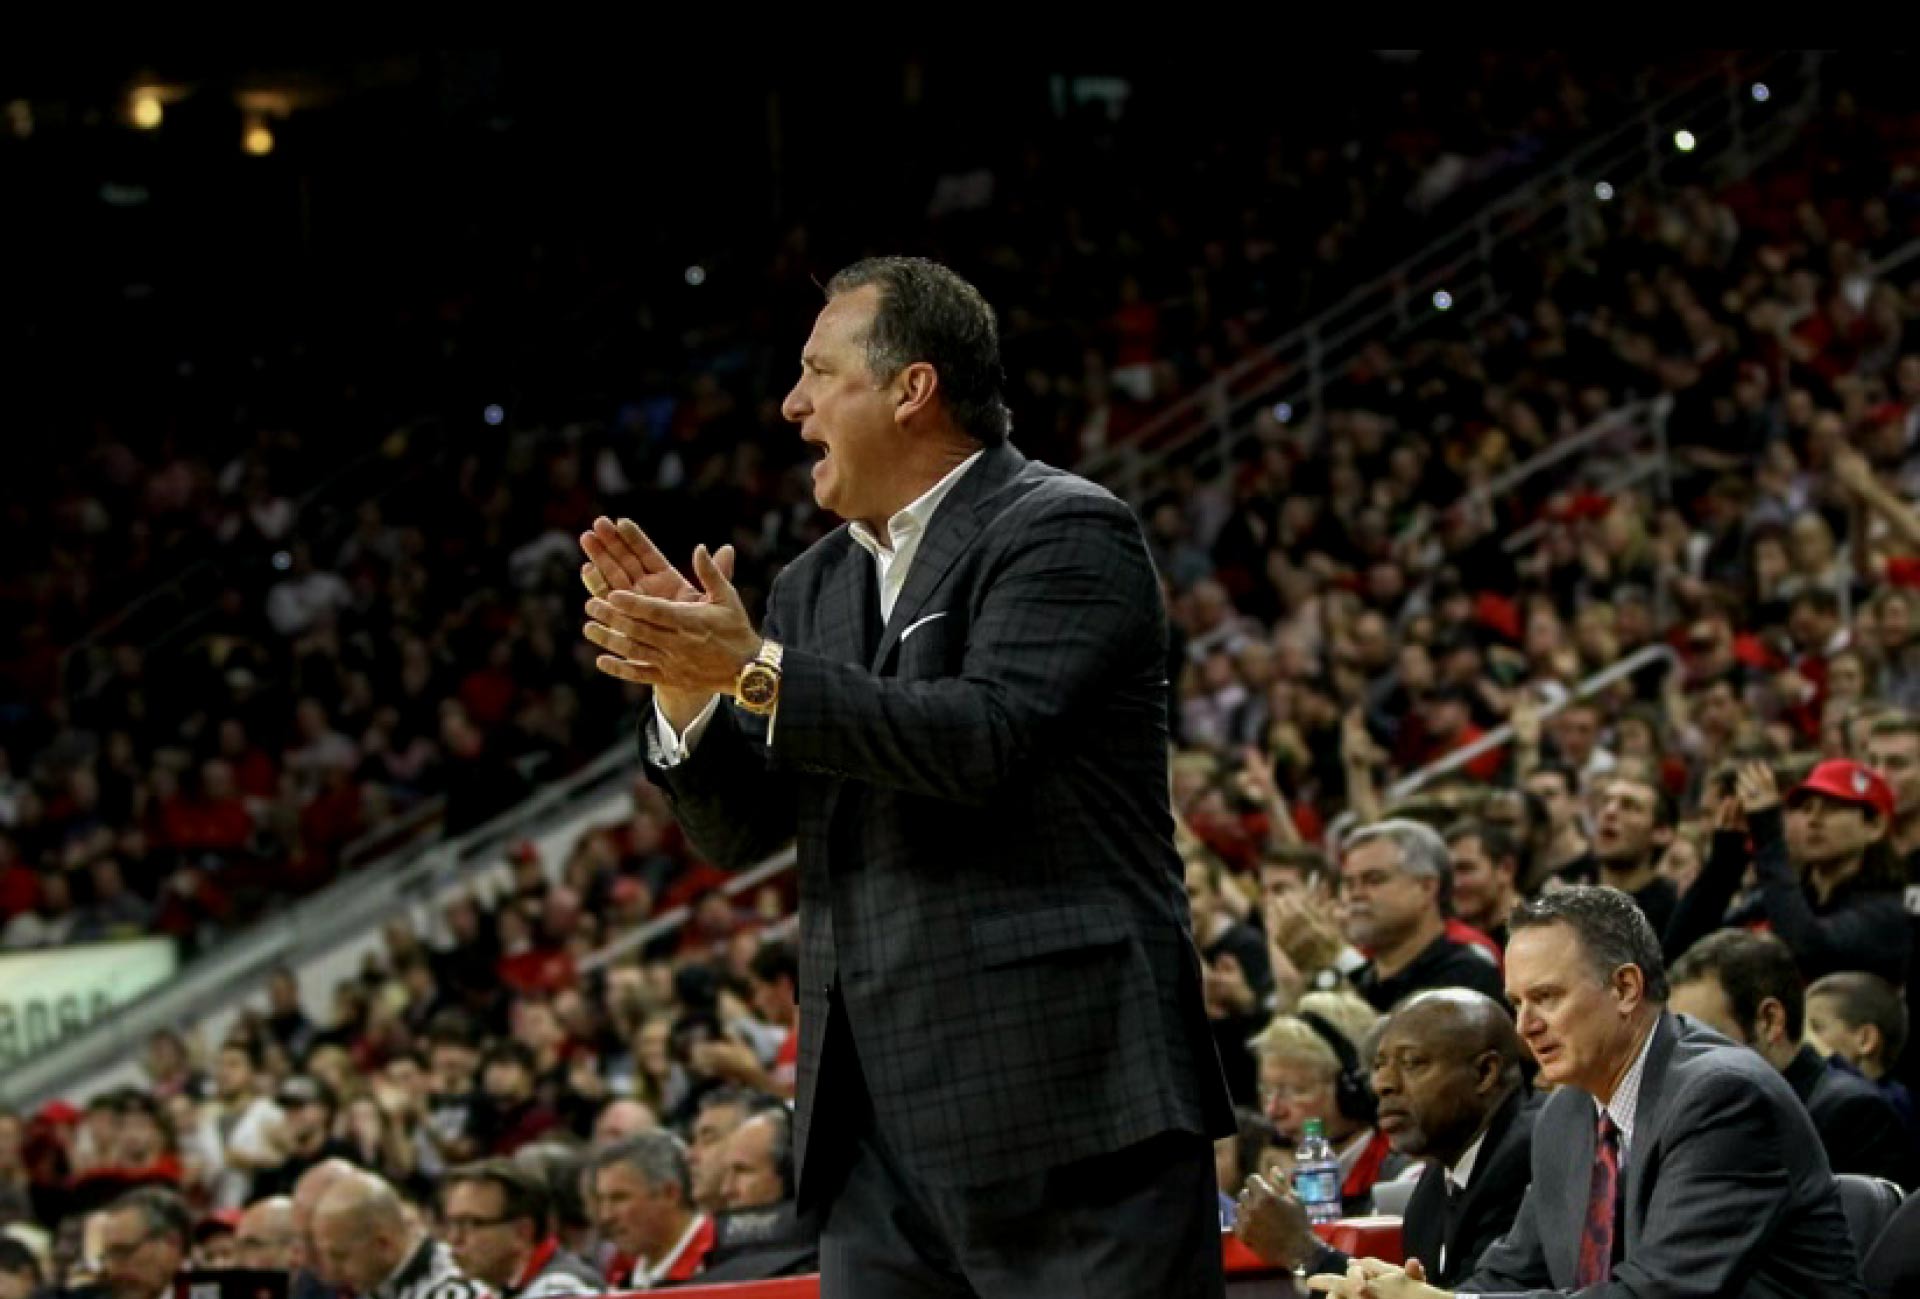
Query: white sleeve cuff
x=671 y=749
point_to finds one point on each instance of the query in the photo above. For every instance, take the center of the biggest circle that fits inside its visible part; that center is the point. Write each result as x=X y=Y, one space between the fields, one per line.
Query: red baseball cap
x=1849 y=782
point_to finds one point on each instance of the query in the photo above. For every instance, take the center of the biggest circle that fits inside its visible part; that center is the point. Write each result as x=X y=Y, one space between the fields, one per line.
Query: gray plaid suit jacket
x=987 y=870
x=1727 y=1189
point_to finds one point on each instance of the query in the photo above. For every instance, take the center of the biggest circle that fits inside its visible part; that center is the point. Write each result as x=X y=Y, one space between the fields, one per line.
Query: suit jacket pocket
x=1012 y=937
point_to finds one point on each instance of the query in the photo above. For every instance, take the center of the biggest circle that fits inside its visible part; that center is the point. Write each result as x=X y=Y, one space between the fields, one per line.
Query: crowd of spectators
x=295 y=649
x=1344 y=614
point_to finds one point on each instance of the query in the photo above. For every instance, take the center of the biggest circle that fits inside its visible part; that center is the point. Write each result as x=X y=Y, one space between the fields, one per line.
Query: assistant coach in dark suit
x=957 y=709
x=1669 y=1161
x=1447 y=1072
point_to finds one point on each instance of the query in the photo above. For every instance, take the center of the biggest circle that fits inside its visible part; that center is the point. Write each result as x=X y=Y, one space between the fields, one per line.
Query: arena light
x=1442 y=300
x=696 y=275
x=494 y=415
x=1684 y=141
x=1603 y=192
x=1283 y=411
x=146 y=110
x=258 y=139
x=1760 y=92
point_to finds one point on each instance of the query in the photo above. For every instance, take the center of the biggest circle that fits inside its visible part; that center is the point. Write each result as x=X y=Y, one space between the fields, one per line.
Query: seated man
x=498 y=1218
x=1309 y=1070
x=1748 y=987
x=1667 y=1161
x=1397 y=880
x=1860 y=1023
x=1447 y=1072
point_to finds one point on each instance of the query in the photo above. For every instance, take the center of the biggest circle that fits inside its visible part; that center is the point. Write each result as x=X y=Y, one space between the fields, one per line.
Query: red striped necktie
x=1596 y=1244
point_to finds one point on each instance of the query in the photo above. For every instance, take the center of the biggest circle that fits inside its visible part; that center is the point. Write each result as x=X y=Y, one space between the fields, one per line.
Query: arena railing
x=1729 y=132
x=346 y=911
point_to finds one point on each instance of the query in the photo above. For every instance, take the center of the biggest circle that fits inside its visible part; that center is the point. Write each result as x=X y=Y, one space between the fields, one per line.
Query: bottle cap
x=1315 y=1128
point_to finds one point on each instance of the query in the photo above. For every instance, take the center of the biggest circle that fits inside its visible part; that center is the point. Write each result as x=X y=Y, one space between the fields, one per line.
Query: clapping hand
x=657 y=628
x=1756 y=788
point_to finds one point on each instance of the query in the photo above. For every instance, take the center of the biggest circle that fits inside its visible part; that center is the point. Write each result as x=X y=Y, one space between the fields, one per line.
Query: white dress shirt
x=891 y=560
x=1458 y=1176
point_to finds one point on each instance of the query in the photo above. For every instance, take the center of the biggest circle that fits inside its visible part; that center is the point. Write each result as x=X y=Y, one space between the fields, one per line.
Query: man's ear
x=1629 y=986
x=914 y=389
x=1769 y=1022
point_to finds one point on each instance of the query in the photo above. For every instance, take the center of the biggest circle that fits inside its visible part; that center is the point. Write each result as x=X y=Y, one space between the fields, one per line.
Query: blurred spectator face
x=1283 y=879
x=653 y=1047
x=1681 y=863
x=1811 y=625
x=217 y=1250
x=12 y=1132
x=1544 y=636
x=630 y=1212
x=1705 y=999
x=1383 y=902
x=1710 y=647
x=141 y=1140
x=707 y=1153
x=1416 y=669
x=166 y=1056
x=1480 y=884
x=18 y=1285
x=535 y=1024
x=1717 y=712
x=453 y=1066
x=405 y=1077
x=1811 y=542
x=232 y=1074
x=1445 y=716
x=307 y=1122
x=1372 y=641
x=1203 y=902
x=1576 y=729
x=1829 y=832
x=1897 y=757
x=751 y=1180
x=1624 y=833
x=137 y=1262
x=1846 y=678
x=488 y=1247
x=622 y=1119
x=1293 y=1091
x=1634 y=738
x=283 y=993
x=507 y=1084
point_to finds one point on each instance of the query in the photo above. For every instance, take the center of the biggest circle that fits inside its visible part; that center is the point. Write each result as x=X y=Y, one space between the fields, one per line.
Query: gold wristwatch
x=758 y=688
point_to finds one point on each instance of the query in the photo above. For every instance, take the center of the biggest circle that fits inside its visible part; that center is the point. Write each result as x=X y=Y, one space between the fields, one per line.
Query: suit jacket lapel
x=1649 y=1111
x=953 y=528
x=849 y=613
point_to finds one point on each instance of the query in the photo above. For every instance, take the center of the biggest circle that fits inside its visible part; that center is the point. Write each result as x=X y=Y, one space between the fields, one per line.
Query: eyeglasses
x=460 y=1226
x=1293 y=1092
x=122 y=1252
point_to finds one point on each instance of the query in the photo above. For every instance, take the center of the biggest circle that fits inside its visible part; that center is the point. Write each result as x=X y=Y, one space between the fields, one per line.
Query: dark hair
x=162 y=1210
x=249 y=1045
x=928 y=313
x=744 y=1099
x=1311 y=862
x=1749 y=968
x=559 y=1166
x=1498 y=842
x=452 y=1027
x=1612 y=929
x=510 y=1051
x=1568 y=780
x=1820 y=599
x=659 y=1157
x=1862 y=998
x=774 y=960
x=523 y=1192
x=1666 y=813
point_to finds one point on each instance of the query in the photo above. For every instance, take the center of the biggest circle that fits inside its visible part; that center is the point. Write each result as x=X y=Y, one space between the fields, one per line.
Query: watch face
x=757 y=688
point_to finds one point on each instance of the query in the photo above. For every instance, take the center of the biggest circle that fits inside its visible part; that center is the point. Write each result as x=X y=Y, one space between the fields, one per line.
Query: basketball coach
x=956 y=707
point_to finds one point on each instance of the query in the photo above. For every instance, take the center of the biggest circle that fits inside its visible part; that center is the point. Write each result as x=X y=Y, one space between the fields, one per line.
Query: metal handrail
x=352 y=906
x=1500 y=735
x=668 y=921
x=1295 y=367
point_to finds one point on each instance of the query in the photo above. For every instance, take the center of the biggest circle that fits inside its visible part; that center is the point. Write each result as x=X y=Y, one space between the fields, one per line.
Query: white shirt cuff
x=671 y=748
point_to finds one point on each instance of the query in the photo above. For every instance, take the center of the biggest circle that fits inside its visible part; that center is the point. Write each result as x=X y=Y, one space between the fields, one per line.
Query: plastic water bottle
x=1316 y=1175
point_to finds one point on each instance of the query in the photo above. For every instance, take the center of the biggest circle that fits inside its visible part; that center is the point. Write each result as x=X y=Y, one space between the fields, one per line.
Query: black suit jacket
x=1858 y=1126
x=978 y=793
x=1488 y=1207
x=1727 y=1191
